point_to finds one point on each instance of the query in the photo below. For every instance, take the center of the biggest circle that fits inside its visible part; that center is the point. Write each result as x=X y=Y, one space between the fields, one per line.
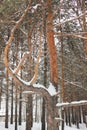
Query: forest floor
x=38 y=127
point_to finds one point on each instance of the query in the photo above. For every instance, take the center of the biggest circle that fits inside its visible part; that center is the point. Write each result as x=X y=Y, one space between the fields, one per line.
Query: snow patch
x=51 y=89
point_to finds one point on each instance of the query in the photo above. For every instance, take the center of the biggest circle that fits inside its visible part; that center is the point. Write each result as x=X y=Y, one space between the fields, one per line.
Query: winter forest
x=43 y=64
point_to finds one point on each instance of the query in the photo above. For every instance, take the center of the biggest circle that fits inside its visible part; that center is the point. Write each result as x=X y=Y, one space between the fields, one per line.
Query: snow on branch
x=51 y=89
x=34 y=8
x=74 y=103
x=25 y=85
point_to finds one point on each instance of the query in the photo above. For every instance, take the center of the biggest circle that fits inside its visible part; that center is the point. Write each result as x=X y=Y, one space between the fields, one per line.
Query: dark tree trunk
x=73 y=120
x=16 y=85
x=0 y=91
x=11 y=121
x=20 y=107
x=77 y=117
x=29 y=113
x=69 y=116
x=45 y=72
x=20 y=97
x=66 y=116
x=16 y=106
x=7 y=98
x=63 y=119
x=43 y=115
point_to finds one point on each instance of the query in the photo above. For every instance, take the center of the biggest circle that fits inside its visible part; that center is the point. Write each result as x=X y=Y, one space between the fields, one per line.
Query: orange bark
x=52 y=48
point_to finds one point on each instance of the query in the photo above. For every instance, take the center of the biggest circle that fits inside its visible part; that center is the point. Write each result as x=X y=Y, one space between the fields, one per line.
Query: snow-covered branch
x=74 y=103
x=25 y=85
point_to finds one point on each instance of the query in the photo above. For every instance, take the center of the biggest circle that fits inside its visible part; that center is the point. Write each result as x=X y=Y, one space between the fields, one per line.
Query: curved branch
x=11 y=38
x=28 y=87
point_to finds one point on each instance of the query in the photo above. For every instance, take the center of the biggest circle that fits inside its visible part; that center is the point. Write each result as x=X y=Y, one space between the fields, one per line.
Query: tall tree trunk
x=0 y=91
x=43 y=115
x=52 y=48
x=20 y=106
x=62 y=81
x=16 y=106
x=12 y=87
x=36 y=115
x=20 y=96
x=7 y=98
x=16 y=85
x=45 y=72
x=29 y=113
x=53 y=60
x=29 y=99
x=11 y=121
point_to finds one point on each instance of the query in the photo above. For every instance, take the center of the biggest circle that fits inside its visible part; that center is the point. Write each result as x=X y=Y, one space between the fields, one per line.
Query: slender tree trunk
x=16 y=106
x=81 y=114
x=29 y=103
x=77 y=117
x=62 y=81
x=16 y=85
x=45 y=72
x=29 y=113
x=43 y=115
x=66 y=116
x=36 y=115
x=11 y=121
x=20 y=97
x=20 y=106
x=0 y=85
x=7 y=98
x=0 y=92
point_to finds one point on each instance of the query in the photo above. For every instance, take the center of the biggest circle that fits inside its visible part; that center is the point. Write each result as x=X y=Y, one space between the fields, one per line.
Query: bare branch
x=70 y=20
x=24 y=32
x=9 y=42
x=70 y=35
x=21 y=62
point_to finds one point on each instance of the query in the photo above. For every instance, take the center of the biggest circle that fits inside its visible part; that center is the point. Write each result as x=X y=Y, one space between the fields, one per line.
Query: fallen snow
x=37 y=126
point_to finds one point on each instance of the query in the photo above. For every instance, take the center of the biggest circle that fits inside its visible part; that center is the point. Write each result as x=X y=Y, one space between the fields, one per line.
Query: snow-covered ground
x=82 y=127
x=38 y=127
